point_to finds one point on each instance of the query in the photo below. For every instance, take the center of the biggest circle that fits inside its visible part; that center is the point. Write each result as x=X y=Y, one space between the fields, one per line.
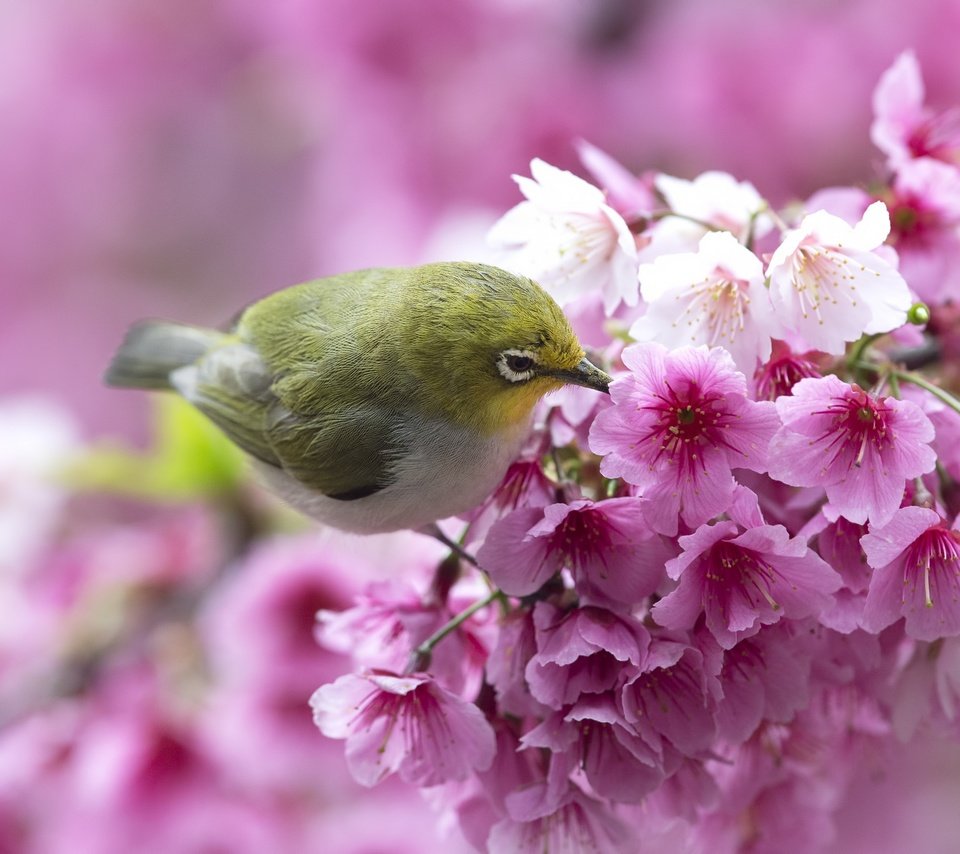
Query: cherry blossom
x=670 y=701
x=715 y=296
x=916 y=562
x=606 y=544
x=903 y=128
x=580 y=823
x=717 y=200
x=744 y=579
x=924 y=203
x=593 y=734
x=582 y=651
x=781 y=372
x=404 y=724
x=568 y=238
x=829 y=286
x=862 y=449
x=680 y=423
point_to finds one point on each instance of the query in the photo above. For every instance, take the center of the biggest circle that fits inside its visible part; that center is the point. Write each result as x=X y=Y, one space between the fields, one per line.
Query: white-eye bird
x=375 y=400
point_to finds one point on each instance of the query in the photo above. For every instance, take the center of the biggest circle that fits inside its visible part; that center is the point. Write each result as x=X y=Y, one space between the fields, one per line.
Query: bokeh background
x=179 y=158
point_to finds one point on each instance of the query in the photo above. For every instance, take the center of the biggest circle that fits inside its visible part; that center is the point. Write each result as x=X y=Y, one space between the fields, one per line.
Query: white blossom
x=566 y=237
x=830 y=287
x=714 y=296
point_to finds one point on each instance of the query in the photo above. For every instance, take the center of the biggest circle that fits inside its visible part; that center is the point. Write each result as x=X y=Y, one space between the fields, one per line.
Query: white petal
x=722 y=249
x=828 y=230
x=873 y=228
x=515 y=227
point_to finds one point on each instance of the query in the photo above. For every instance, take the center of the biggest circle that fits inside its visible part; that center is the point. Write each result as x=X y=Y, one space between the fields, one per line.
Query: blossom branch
x=420 y=657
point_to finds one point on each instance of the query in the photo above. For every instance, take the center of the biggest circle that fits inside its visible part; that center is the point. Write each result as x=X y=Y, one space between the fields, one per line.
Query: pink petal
x=886 y=543
x=518 y=564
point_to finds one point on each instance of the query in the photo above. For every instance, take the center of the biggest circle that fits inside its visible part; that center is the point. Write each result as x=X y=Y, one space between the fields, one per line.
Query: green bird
x=375 y=400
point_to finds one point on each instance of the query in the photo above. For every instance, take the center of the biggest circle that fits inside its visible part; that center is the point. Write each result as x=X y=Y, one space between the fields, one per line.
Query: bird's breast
x=444 y=469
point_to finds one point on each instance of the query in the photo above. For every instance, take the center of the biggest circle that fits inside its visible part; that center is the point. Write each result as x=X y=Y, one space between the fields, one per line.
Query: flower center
x=687 y=421
x=582 y=536
x=938 y=137
x=719 y=304
x=730 y=568
x=859 y=423
x=911 y=224
x=779 y=377
x=822 y=275
x=932 y=560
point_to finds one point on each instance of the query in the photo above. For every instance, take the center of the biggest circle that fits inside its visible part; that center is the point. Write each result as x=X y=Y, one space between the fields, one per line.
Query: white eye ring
x=511 y=374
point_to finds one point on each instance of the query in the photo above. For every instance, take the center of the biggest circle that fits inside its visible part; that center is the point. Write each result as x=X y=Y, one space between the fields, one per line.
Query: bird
x=375 y=400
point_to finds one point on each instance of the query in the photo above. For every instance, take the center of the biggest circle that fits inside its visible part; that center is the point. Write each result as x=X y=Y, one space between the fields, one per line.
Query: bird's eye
x=518 y=363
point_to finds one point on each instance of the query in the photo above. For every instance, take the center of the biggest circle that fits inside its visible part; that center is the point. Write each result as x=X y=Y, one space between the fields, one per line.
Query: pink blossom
x=632 y=196
x=946 y=425
x=924 y=204
x=787 y=780
x=405 y=724
x=669 y=700
x=568 y=238
x=581 y=651
x=916 y=575
x=390 y=619
x=593 y=735
x=781 y=372
x=828 y=284
x=680 y=422
x=903 y=128
x=373 y=631
x=524 y=485
x=860 y=448
x=763 y=678
x=684 y=794
x=839 y=545
x=580 y=823
x=715 y=296
x=606 y=544
x=744 y=579
x=782 y=504
x=516 y=646
x=482 y=801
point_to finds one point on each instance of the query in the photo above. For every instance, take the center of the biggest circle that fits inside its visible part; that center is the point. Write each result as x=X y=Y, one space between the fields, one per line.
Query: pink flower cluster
x=710 y=593
x=155 y=667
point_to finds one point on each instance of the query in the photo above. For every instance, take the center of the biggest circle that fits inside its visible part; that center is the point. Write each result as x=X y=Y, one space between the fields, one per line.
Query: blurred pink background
x=179 y=158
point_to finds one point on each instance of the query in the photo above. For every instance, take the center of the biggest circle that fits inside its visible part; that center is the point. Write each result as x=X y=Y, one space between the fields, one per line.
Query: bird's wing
x=344 y=454
x=230 y=384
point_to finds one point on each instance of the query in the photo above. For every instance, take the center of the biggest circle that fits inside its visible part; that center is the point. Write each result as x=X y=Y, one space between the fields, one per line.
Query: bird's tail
x=152 y=349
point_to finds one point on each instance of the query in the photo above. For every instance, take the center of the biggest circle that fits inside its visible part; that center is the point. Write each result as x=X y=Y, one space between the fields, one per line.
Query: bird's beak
x=588 y=375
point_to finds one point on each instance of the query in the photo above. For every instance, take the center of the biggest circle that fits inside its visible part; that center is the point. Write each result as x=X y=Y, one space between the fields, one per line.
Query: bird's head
x=493 y=344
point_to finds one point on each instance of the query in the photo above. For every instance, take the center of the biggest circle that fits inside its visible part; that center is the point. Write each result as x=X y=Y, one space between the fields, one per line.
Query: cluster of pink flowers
x=713 y=590
x=155 y=665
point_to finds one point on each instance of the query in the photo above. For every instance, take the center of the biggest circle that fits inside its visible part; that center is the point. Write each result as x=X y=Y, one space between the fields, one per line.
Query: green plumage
x=331 y=379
